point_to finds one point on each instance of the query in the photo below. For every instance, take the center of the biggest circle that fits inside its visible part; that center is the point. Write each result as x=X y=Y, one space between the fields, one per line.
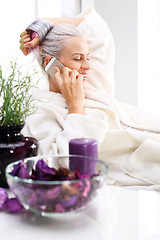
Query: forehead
x=75 y=44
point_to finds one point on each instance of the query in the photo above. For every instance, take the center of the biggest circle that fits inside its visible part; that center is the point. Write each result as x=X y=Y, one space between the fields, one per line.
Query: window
x=149 y=56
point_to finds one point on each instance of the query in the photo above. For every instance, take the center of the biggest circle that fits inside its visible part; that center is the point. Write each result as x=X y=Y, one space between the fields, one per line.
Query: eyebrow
x=78 y=54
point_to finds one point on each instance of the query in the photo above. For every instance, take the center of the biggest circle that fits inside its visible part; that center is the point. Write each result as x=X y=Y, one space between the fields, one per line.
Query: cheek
x=71 y=64
x=74 y=65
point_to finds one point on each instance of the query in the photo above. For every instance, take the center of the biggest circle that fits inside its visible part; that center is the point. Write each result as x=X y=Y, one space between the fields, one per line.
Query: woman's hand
x=72 y=88
x=27 y=43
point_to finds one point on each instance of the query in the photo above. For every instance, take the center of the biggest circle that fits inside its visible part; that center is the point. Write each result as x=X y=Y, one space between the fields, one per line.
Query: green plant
x=16 y=101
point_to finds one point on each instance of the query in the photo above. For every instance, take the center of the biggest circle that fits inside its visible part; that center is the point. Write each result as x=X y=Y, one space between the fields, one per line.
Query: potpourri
x=3 y=197
x=60 y=197
x=9 y=204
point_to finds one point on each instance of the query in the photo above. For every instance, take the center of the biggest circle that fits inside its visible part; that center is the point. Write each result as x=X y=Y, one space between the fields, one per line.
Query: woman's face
x=75 y=55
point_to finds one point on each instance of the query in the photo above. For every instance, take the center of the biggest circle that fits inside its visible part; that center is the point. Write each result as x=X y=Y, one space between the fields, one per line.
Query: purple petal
x=20 y=170
x=23 y=173
x=78 y=174
x=38 y=176
x=13 y=205
x=87 y=188
x=79 y=186
x=15 y=170
x=33 y=199
x=3 y=197
x=53 y=193
x=59 y=208
x=41 y=166
x=71 y=201
x=84 y=176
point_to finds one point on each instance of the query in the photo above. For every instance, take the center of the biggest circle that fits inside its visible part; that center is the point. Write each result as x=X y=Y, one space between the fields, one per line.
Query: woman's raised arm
x=27 y=42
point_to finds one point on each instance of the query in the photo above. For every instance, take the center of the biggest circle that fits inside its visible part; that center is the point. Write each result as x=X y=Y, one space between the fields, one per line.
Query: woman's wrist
x=58 y=20
x=76 y=109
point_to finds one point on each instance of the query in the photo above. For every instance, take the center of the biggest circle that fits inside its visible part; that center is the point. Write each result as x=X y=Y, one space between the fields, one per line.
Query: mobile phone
x=51 y=65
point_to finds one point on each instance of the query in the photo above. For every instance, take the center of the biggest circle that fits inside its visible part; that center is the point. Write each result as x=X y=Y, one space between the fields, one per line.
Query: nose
x=86 y=64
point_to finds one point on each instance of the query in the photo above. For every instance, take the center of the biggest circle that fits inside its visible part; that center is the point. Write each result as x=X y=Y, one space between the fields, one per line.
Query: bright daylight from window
x=149 y=55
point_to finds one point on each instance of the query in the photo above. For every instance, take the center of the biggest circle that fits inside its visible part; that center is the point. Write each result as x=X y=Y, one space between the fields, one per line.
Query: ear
x=47 y=60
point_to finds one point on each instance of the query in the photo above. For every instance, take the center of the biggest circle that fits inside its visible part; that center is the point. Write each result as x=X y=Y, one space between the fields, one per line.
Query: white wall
x=121 y=16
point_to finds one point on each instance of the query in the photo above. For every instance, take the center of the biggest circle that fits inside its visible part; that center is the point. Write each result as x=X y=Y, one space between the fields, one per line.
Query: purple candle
x=84 y=147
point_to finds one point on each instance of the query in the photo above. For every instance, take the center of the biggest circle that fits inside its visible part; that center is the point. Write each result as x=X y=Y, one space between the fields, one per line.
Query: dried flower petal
x=20 y=170
x=87 y=188
x=41 y=166
x=71 y=201
x=23 y=173
x=42 y=171
x=59 y=208
x=13 y=205
x=53 y=192
x=15 y=170
x=3 y=197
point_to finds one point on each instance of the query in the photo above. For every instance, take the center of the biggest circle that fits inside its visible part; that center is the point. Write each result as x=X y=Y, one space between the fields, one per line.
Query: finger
x=67 y=70
x=23 y=33
x=26 y=51
x=81 y=83
x=25 y=40
x=74 y=75
x=32 y=43
x=57 y=77
x=66 y=73
x=26 y=36
x=57 y=69
x=80 y=77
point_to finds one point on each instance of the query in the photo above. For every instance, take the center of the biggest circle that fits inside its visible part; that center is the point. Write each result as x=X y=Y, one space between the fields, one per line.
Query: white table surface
x=118 y=213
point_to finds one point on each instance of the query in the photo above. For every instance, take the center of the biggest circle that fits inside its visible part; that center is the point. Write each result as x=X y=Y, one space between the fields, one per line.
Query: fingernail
x=25 y=45
x=56 y=69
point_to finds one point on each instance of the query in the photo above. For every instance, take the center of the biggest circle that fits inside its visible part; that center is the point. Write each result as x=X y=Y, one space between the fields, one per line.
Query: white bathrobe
x=128 y=139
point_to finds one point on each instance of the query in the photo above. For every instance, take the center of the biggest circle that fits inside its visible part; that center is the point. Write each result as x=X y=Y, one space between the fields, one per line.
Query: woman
x=69 y=110
x=66 y=44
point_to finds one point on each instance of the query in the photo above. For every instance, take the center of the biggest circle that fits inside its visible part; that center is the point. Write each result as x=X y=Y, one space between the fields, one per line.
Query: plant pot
x=14 y=146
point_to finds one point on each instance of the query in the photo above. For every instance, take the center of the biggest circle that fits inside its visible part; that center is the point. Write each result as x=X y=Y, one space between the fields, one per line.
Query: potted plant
x=15 y=105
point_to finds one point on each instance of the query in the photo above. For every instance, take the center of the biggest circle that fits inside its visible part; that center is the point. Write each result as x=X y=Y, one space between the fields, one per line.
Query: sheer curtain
x=149 y=56
x=18 y=14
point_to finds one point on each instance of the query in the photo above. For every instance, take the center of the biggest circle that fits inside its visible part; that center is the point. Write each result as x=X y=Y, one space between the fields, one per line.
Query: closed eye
x=77 y=59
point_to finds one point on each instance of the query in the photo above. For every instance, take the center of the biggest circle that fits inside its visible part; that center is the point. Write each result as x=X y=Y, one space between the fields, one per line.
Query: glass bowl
x=58 y=198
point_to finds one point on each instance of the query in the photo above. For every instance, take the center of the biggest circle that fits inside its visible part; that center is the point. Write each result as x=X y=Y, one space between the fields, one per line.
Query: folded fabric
x=144 y=163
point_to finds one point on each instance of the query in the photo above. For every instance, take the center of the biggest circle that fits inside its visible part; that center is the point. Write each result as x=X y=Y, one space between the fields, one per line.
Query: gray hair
x=52 y=44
